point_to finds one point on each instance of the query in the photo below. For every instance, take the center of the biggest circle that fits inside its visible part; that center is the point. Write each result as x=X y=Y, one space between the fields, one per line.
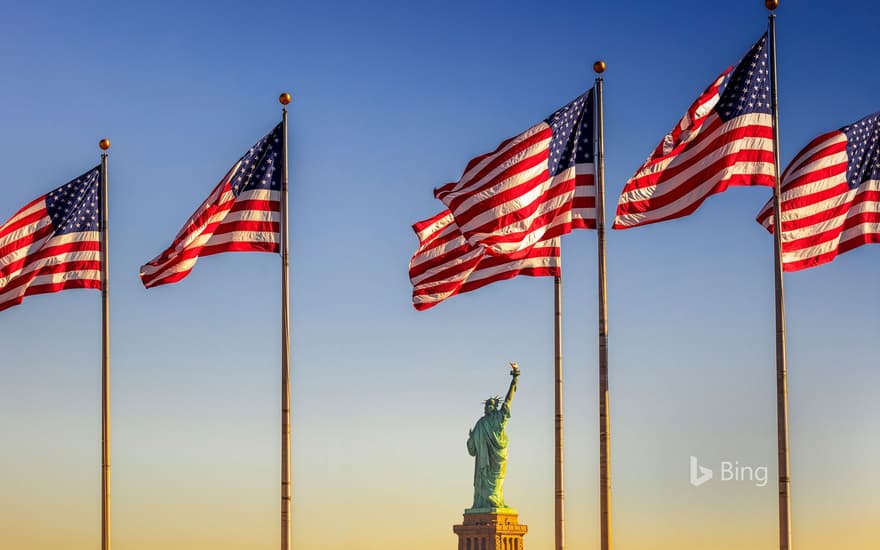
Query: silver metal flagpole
x=604 y=407
x=559 y=485
x=286 y=501
x=781 y=366
x=104 y=144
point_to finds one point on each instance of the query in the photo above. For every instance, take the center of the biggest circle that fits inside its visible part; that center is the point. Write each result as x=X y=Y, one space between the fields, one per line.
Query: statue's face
x=490 y=406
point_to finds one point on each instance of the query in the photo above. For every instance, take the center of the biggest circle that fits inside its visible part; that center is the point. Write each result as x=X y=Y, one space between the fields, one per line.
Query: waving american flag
x=724 y=139
x=242 y=214
x=507 y=199
x=53 y=243
x=445 y=264
x=830 y=200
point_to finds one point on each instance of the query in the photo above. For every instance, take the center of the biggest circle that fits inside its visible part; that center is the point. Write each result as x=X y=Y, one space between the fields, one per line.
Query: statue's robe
x=488 y=443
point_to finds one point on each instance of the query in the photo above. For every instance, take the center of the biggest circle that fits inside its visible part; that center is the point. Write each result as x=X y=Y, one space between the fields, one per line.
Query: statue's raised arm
x=514 y=373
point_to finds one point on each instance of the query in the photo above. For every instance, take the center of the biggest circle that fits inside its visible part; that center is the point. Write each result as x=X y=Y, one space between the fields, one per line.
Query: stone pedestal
x=490 y=529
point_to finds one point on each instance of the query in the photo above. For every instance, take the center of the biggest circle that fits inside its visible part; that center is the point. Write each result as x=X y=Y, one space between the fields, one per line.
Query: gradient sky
x=390 y=100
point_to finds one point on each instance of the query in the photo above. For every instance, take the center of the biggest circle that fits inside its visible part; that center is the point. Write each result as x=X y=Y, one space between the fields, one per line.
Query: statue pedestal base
x=490 y=529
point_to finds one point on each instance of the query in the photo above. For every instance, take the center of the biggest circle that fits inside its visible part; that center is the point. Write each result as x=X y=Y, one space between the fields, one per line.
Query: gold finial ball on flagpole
x=771 y=4
x=284 y=98
x=104 y=144
x=599 y=67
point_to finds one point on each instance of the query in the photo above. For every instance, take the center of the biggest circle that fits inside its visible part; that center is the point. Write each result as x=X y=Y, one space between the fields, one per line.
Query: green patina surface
x=487 y=443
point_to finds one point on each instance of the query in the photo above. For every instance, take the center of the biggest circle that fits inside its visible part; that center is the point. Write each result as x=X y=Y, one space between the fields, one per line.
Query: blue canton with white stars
x=260 y=167
x=747 y=89
x=863 y=150
x=76 y=205
x=572 y=141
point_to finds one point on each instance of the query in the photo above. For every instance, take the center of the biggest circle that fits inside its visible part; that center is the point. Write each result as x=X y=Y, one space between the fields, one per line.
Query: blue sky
x=391 y=100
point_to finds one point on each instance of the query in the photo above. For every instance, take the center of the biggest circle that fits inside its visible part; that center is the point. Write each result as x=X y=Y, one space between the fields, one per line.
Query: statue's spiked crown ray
x=493 y=401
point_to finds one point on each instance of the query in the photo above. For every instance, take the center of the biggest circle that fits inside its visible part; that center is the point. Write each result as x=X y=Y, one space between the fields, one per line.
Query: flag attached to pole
x=445 y=264
x=242 y=214
x=724 y=139
x=544 y=177
x=830 y=200
x=53 y=243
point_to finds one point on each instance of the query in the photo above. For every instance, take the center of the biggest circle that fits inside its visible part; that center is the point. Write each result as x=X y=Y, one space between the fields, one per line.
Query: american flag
x=724 y=139
x=53 y=243
x=242 y=214
x=830 y=198
x=445 y=264
x=506 y=199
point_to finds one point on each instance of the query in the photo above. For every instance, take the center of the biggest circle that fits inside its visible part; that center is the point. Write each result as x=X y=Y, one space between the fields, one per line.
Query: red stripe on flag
x=49 y=288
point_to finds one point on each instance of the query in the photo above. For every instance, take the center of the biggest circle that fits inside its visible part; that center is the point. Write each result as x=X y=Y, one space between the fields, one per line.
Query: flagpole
x=104 y=144
x=286 y=502
x=559 y=509
x=604 y=406
x=781 y=364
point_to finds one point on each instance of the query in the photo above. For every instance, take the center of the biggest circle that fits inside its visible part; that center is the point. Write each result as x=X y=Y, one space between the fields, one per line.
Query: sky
x=391 y=99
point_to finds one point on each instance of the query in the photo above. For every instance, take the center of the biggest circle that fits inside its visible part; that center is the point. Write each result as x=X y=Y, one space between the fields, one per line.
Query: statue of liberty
x=488 y=443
